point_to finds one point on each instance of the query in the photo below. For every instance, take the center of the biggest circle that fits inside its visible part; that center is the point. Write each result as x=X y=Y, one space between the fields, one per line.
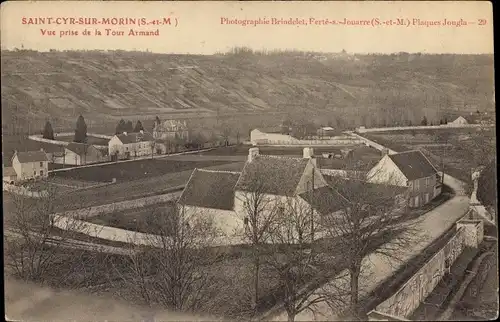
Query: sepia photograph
x=249 y=161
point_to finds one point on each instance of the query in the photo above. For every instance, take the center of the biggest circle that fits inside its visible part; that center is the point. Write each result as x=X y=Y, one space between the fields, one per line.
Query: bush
x=486 y=191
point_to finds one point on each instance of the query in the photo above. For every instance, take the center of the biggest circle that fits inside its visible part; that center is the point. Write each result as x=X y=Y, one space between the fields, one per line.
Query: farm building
x=171 y=129
x=459 y=121
x=32 y=164
x=327 y=131
x=283 y=181
x=80 y=154
x=257 y=137
x=127 y=145
x=409 y=169
x=9 y=175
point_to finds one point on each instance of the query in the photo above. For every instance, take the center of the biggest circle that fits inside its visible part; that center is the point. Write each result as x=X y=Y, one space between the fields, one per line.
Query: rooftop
x=413 y=164
x=272 y=175
x=79 y=148
x=134 y=137
x=31 y=156
x=210 y=189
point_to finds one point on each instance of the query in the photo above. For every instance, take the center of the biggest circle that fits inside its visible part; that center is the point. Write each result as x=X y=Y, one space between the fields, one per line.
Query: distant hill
x=343 y=89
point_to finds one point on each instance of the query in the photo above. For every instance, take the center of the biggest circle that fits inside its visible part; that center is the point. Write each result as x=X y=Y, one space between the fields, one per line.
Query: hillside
x=343 y=89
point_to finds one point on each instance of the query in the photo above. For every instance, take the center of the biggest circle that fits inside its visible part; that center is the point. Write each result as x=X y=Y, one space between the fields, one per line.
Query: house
x=31 y=164
x=459 y=121
x=9 y=175
x=171 y=129
x=80 y=154
x=326 y=131
x=127 y=145
x=409 y=169
x=226 y=196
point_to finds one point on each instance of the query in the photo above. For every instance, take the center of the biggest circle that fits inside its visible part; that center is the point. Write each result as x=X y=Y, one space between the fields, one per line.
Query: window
x=41 y=164
x=245 y=221
x=427 y=182
x=41 y=173
x=34 y=173
x=281 y=210
x=416 y=185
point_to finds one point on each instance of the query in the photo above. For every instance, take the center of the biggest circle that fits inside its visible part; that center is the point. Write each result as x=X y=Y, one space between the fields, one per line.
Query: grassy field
x=90 y=140
x=142 y=220
x=463 y=150
x=134 y=170
x=348 y=90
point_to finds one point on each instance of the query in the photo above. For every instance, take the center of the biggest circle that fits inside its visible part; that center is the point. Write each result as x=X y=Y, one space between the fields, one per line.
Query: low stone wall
x=409 y=296
x=118 y=206
x=426 y=127
x=39 y=138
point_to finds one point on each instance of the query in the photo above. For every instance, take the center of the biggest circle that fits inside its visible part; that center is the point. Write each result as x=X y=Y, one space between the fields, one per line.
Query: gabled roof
x=135 y=137
x=79 y=148
x=272 y=175
x=210 y=189
x=325 y=200
x=413 y=164
x=31 y=156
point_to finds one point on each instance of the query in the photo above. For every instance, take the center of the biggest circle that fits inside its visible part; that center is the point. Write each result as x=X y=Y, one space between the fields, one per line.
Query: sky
x=199 y=28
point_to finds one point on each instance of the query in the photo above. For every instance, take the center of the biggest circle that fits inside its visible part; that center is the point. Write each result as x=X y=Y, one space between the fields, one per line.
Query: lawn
x=90 y=140
x=142 y=220
x=133 y=170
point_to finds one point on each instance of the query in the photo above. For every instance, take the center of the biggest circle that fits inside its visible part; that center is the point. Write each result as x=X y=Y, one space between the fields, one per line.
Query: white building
x=459 y=121
x=31 y=164
x=127 y=145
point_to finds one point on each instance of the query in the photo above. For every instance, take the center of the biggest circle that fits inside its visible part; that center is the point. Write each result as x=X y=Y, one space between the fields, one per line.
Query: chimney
x=124 y=133
x=252 y=153
x=142 y=132
x=385 y=152
x=309 y=154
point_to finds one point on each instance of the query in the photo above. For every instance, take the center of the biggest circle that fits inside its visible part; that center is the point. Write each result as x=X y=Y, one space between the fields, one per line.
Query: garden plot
x=134 y=170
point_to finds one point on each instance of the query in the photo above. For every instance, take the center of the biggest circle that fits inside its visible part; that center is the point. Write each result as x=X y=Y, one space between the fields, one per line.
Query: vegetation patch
x=133 y=170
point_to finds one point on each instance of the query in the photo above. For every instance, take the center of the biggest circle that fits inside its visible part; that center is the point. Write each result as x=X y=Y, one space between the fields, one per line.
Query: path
x=431 y=225
x=76 y=244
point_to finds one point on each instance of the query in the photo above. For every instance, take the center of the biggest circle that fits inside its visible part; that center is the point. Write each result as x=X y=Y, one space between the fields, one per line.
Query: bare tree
x=372 y=219
x=168 y=268
x=293 y=260
x=260 y=211
x=443 y=137
x=36 y=240
x=152 y=146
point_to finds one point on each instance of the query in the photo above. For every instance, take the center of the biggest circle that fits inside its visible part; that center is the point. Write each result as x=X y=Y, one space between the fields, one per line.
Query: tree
x=129 y=127
x=33 y=251
x=486 y=189
x=260 y=212
x=48 y=133
x=293 y=260
x=152 y=145
x=138 y=127
x=371 y=220
x=168 y=269
x=80 y=130
x=424 y=121
x=120 y=127
x=443 y=137
x=225 y=131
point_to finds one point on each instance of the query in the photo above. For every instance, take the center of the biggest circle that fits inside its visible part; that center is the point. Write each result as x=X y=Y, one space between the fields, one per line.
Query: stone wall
x=118 y=206
x=409 y=296
x=426 y=127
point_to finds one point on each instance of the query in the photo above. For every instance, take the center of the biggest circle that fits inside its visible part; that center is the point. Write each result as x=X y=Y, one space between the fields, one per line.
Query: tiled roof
x=79 y=148
x=9 y=171
x=135 y=137
x=31 y=156
x=272 y=175
x=210 y=189
x=357 y=190
x=325 y=200
x=413 y=164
